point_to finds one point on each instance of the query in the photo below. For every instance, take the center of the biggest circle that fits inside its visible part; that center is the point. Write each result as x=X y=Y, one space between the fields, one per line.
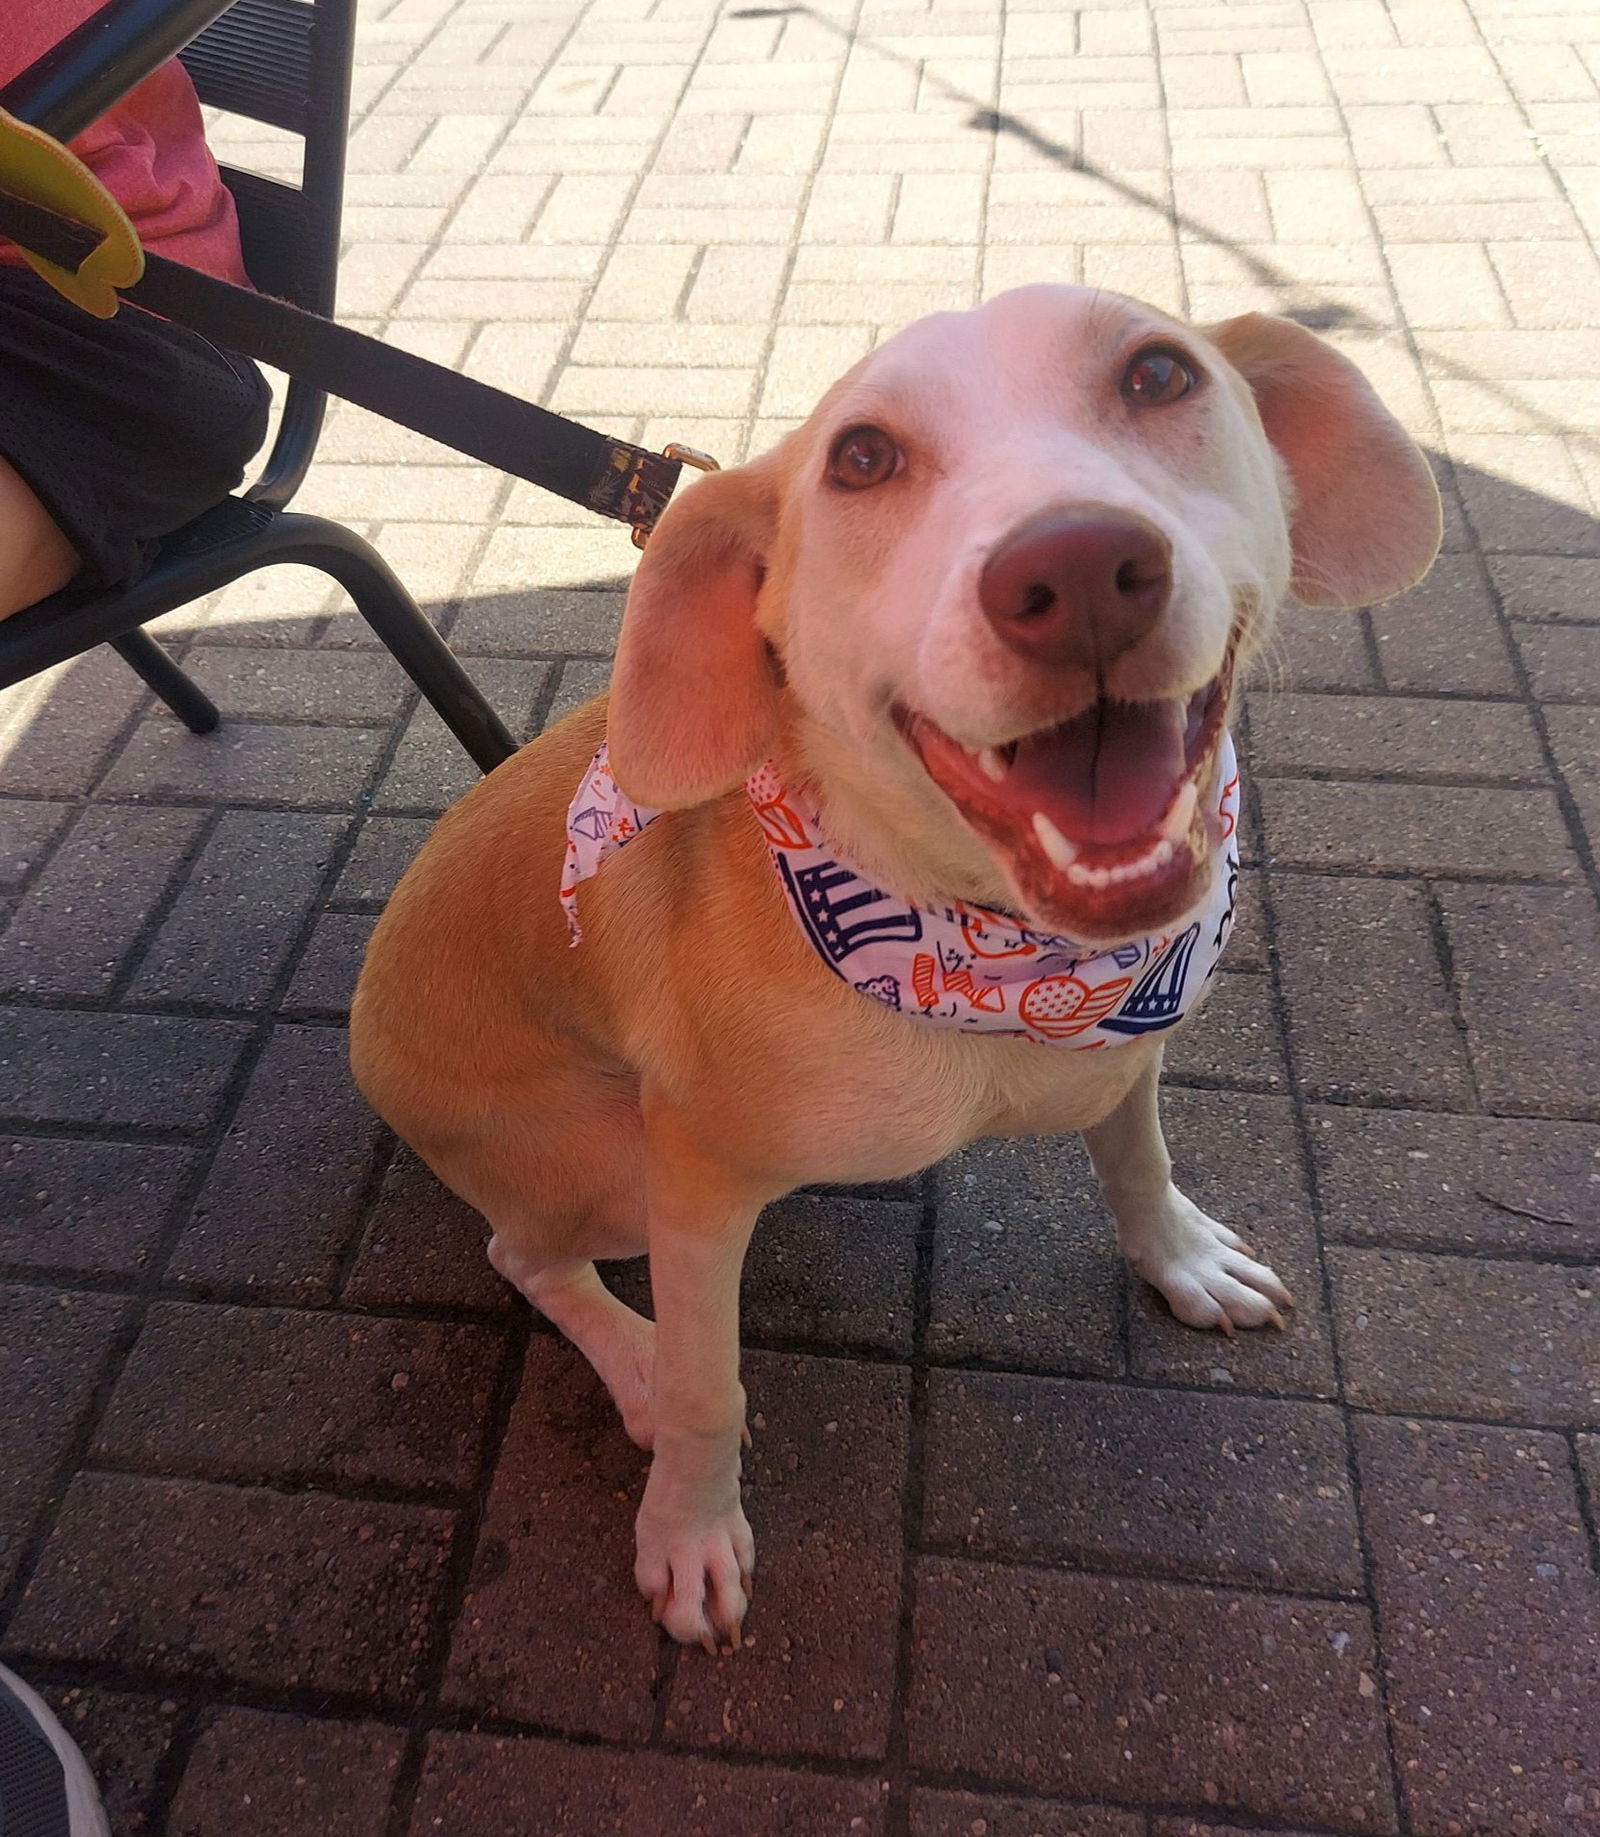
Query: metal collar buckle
x=683 y=456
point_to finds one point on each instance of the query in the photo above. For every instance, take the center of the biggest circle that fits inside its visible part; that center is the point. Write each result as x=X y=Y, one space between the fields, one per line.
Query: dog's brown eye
x=863 y=457
x=1157 y=377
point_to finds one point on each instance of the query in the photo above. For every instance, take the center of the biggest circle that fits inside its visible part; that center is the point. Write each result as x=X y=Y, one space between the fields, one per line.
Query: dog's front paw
x=694 y=1567
x=1205 y=1270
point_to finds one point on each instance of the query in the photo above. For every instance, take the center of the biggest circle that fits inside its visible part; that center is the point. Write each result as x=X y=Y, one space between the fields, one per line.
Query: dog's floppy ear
x=1365 y=520
x=694 y=700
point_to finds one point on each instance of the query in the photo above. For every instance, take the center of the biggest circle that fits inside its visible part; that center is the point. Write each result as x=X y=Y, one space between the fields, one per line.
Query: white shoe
x=46 y=1787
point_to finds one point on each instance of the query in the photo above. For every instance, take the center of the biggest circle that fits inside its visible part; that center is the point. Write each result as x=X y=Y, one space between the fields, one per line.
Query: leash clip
x=682 y=456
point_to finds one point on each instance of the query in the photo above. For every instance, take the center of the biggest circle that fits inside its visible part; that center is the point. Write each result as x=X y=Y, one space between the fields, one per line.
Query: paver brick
x=1369 y=1013
x=27 y=828
x=1455 y=1336
x=94 y=1207
x=148 y=1070
x=1431 y=829
x=1211 y=1488
x=1444 y=634
x=824 y=1480
x=240 y=911
x=1025 y=1272
x=255 y=1774
x=1082 y=1685
x=1203 y=1827
x=833 y=1270
x=57 y=728
x=1523 y=493
x=1234 y=1039
x=1547 y=586
x=1547 y=283
x=279 y=1203
x=1316 y=651
x=736 y=285
x=75 y=925
x=430 y=770
x=521 y=559
x=330 y=1399
x=1491 y=1619
x=241 y=1585
x=1575 y=741
x=383 y=851
x=485 y=1784
x=1532 y=1049
x=1401 y=1180
x=1391 y=734
x=281 y=607
x=552 y=1630
x=1447 y=283
x=52 y=1349
x=1563 y=661
x=124 y=1738
x=325 y=979
x=245 y=764
x=276 y=685
x=424 y=1247
x=962 y=1814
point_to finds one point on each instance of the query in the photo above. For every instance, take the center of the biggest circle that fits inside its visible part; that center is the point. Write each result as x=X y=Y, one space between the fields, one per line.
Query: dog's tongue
x=1108 y=775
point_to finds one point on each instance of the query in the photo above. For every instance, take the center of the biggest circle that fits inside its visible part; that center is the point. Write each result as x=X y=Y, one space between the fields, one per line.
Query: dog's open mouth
x=1102 y=822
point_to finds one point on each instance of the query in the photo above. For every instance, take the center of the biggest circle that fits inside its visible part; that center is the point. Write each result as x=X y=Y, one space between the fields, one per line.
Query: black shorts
x=125 y=428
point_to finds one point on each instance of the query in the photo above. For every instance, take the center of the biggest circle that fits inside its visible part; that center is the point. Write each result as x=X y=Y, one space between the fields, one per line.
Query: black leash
x=612 y=477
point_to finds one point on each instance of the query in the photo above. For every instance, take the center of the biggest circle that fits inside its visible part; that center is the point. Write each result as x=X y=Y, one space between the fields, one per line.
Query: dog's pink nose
x=1076 y=586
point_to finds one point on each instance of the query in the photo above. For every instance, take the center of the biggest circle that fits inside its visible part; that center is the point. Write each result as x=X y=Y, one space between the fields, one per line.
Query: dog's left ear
x=694 y=700
x=1365 y=522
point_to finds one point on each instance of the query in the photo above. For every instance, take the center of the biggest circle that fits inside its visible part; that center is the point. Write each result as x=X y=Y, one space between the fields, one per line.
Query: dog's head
x=1005 y=574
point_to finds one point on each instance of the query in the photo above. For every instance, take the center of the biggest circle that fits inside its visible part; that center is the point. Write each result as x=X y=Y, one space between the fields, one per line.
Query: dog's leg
x=617 y=1342
x=1205 y=1270
x=695 y=1550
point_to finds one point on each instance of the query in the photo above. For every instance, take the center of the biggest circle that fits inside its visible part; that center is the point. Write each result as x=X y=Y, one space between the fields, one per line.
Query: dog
x=907 y=821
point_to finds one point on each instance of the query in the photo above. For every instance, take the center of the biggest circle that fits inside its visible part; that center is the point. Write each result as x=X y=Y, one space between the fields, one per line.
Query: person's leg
x=36 y=559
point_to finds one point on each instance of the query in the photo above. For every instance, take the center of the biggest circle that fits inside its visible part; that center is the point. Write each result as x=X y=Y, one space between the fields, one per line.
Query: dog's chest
x=891 y=1105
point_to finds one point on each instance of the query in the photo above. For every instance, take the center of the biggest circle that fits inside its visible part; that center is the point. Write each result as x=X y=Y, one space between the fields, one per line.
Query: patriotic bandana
x=957 y=966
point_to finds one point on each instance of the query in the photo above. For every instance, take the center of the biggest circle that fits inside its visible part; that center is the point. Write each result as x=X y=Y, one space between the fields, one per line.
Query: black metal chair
x=285 y=62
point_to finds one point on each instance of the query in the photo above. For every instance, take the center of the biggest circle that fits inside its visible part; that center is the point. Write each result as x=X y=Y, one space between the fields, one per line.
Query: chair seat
x=224 y=523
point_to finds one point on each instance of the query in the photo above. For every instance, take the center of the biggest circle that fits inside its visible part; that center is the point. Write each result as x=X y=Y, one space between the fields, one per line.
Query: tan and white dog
x=986 y=609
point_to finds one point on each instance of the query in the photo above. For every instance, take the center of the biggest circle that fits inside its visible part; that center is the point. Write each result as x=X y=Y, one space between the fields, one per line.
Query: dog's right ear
x=694 y=703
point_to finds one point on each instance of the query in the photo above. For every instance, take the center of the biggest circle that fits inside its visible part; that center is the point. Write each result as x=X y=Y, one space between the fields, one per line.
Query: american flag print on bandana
x=954 y=966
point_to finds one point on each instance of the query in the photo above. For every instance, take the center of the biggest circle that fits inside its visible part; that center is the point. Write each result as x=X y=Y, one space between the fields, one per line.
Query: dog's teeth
x=1062 y=853
x=1175 y=825
x=991 y=764
x=1150 y=862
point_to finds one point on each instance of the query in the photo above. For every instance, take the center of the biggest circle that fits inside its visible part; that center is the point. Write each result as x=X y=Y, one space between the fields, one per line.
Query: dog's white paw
x=1206 y=1271
x=695 y=1571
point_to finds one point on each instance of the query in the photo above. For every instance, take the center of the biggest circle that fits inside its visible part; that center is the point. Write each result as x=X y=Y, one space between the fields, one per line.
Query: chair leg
x=397 y=619
x=188 y=702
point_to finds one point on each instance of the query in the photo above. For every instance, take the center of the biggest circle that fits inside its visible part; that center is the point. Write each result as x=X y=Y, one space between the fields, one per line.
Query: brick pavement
x=305 y=1525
